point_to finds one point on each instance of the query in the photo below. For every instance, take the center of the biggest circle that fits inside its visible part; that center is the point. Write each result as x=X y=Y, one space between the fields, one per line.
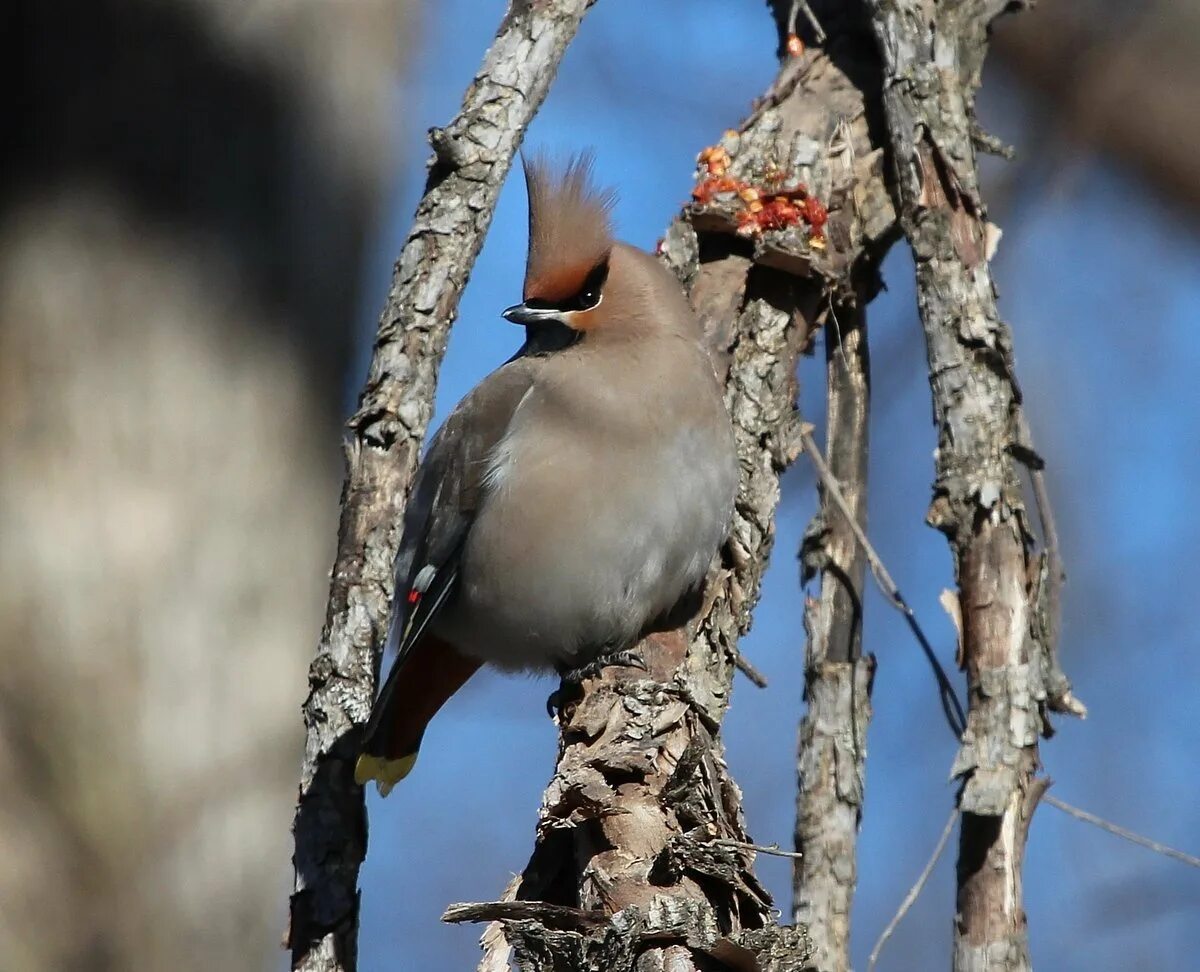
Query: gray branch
x=933 y=56
x=833 y=734
x=831 y=759
x=472 y=156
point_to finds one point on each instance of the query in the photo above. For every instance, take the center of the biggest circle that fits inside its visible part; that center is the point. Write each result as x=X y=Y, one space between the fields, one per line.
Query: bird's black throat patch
x=547 y=337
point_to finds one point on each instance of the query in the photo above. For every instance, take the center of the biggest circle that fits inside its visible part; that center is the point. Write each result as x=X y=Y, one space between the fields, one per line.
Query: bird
x=574 y=501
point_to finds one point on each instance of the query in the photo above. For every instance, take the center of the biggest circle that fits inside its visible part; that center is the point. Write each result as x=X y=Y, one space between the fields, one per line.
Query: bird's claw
x=573 y=678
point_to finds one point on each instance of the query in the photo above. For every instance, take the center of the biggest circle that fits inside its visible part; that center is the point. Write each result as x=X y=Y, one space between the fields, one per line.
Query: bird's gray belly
x=570 y=559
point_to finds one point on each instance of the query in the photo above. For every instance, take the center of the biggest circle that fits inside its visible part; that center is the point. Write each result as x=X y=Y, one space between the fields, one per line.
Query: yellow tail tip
x=385 y=772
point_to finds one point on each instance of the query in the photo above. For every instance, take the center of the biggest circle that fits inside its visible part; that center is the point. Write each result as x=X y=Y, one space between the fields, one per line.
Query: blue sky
x=1103 y=296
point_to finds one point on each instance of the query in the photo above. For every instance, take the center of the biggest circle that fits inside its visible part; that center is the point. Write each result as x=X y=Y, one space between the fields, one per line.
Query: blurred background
x=200 y=204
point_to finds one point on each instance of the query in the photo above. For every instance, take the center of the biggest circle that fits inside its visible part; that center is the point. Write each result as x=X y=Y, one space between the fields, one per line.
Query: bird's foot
x=570 y=690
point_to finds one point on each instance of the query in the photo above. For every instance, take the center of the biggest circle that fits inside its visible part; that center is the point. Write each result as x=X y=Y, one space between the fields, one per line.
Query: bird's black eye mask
x=587 y=297
x=546 y=333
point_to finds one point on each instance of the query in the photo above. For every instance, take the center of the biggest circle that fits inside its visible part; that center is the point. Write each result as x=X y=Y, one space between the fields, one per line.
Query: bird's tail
x=415 y=690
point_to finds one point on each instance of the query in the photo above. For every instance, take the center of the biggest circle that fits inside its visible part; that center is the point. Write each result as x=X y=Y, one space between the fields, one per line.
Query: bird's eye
x=589 y=294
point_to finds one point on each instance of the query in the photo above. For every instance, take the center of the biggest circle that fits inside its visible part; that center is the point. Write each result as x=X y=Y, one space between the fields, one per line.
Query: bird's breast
x=584 y=537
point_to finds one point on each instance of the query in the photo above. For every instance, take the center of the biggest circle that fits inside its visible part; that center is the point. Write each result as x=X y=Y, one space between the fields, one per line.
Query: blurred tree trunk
x=1118 y=77
x=188 y=192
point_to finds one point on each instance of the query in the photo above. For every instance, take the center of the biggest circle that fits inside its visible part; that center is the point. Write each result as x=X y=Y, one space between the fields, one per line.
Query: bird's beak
x=521 y=314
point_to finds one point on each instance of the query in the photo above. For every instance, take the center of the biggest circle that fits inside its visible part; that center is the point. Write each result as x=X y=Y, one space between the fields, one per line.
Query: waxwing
x=574 y=500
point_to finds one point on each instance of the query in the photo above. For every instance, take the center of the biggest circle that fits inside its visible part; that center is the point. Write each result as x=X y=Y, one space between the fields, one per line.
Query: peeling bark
x=933 y=55
x=472 y=157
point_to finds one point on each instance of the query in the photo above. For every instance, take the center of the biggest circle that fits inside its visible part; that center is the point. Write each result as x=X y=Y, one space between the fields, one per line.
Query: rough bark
x=641 y=860
x=472 y=157
x=933 y=55
x=832 y=750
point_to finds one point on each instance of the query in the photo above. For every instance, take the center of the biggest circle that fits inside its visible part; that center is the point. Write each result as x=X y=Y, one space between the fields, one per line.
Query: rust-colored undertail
x=433 y=671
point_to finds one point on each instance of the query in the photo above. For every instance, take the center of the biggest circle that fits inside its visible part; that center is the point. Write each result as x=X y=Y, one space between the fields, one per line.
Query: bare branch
x=774 y=850
x=831 y=758
x=757 y=678
x=801 y=6
x=1060 y=697
x=386 y=434
x=928 y=105
x=1118 y=831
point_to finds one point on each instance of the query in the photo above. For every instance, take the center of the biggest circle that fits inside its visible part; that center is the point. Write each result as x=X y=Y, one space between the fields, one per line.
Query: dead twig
x=1118 y=831
x=753 y=674
x=915 y=891
x=773 y=849
x=801 y=6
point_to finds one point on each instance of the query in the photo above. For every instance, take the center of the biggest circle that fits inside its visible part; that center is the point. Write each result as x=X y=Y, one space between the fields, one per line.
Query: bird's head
x=570 y=249
x=579 y=283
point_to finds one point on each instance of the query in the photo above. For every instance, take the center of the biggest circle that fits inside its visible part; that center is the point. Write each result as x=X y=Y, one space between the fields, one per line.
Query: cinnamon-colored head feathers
x=570 y=230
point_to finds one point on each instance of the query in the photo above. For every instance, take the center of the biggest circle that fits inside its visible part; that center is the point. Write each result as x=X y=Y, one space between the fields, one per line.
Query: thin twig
x=746 y=668
x=951 y=706
x=914 y=892
x=1118 y=831
x=793 y=16
x=773 y=849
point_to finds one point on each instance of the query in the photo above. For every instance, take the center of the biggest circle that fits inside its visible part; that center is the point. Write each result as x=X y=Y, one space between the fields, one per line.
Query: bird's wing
x=445 y=497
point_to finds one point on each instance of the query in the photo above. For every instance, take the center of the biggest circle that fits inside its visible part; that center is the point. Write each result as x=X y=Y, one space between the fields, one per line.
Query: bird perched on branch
x=574 y=500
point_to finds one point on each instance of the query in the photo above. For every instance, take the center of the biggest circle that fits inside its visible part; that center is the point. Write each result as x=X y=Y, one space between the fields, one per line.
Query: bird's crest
x=570 y=230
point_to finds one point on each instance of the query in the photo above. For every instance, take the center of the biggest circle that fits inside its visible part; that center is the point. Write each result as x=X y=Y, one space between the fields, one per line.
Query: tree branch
x=933 y=57
x=472 y=156
x=831 y=763
x=1052 y=577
